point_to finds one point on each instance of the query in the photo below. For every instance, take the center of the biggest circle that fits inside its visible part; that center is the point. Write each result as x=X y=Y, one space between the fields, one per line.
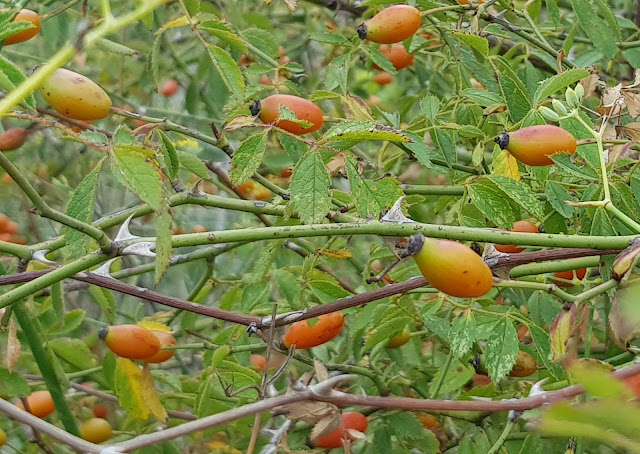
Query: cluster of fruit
x=9 y=231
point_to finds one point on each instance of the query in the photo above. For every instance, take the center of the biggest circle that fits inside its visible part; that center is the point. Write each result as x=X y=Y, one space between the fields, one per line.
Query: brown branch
x=339 y=5
x=523 y=258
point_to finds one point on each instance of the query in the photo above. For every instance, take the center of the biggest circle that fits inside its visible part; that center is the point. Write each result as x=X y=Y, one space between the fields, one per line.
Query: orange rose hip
x=40 y=404
x=350 y=420
x=304 y=335
x=166 y=339
x=518 y=226
x=25 y=15
x=534 y=145
x=269 y=111
x=130 y=341
x=391 y=25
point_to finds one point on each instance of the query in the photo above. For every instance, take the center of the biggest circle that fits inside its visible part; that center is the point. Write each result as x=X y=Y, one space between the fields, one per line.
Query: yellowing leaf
x=179 y=22
x=560 y=332
x=13 y=346
x=154 y=326
x=150 y=394
x=506 y=165
x=128 y=387
x=338 y=254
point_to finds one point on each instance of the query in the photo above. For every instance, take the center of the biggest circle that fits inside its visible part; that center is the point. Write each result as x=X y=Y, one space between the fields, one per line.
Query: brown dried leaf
x=353 y=433
x=590 y=84
x=326 y=425
x=336 y=164
x=291 y=4
x=622 y=151
x=13 y=346
x=612 y=101
x=624 y=318
x=311 y=412
x=632 y=100
x=355 y=108
x=321 y=371
x=631 y=130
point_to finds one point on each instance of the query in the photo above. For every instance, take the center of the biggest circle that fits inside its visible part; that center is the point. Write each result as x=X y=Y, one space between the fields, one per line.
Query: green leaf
x=502 y=350
x=516 y=99
x=57 y=302
x=263 y=40
x=294 y=148
x=477 y=42
x=601 y=224
x=557 y=195
x=134 y=167
x=224 y=33
x=12 y=383
x=444 y=142
x=95 y=137
x=330 y=38
x=623 y=199
x=462 y=334
x=171 y=160
x=81 y=207
x=337 y=73
x=359 y=131
x=248 y=157
x=385 y=331
x=430 y=106
x=418 y=148
x=458 y=374
x=74 y=352
x=382 y=439
x=327 y=291
x=483 y=98
x=492 y=202
x=14 y=27
x=563 y=161
x=153 y=60
x=558 y=82
x=520 y=193
x=543 y=345
x=379 y=59
x=554 y=11
x=595 y=28
x=193 y=164
x=104 y=298
x=229 y=72
x=11 y=77
x=310 y=188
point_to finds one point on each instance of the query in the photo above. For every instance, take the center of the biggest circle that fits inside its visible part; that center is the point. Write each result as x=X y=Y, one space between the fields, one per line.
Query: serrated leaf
x=128 y=388
x=95 y=137
x=563 y=161
x=10 y=77
x=193 y=164
x=379 y=59
x=330 y=38
x=263 y=40
x=150 y=395
x=337 y=73
x=248 y=157
x=516 y=99
x=171 y=160
x=152 y=61
x=13 y=28
x=462 y=334
x=358 y=131
x=476 y=42
x=558 y=82
x=543 y=345
x=502 y=350
x=104 y=298
x=444 y=142
x=505 y=164
x=520 y=193
x=74 y=352
x=294 y=148
x=430 y=106
x=12 y=384
x=484 y=98
x=229 y=72
x=557 y=195
x=385 y=331
x=491 y=202
x=221 y=31
x=419 y=149
x=595 y=28
x=327 y=291
x=139 y=173
x=310 y=188
x=81 y=207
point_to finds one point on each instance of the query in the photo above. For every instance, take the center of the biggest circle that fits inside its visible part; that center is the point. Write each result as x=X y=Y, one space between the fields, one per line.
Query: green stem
x=503 y=437
x=51 y=278
x=554 y=290
x=622 y=217
x=595 y=291
x=18 y=250
x=551 y=267
x=46 y=211
x=46 y=363
x=398 y=229
x=425 y=189
x=587 y=341
x=443 y=373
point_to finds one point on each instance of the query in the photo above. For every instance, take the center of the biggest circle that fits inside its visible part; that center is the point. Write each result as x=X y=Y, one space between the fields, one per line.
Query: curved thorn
x=143 y=249
x=124 y=233
x=103 y=270
x=40 y=256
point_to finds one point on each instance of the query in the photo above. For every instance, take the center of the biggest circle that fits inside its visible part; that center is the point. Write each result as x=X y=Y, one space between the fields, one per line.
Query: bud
x=625 y=261
x=579 y=91
x=560 y=331
x=548 y=114
x=559 y=107
x=571 y=98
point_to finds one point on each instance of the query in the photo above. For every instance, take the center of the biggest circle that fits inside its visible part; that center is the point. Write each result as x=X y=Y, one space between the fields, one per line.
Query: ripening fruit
x=169 y=88
x=276 y=361
x=75 y=96
x=399 y=339
x=28 y=16
x=269 y=110
x=350 y=420
x=568 y=275
x=397 y=55
x=13 y=138
x=534 y=144
x=3 y=437
x=96 y=430
x=518 y=226
x=466 y=2
x=304 y=335
x=40 y=404
x=383 y=78
x=130 y=341
x=430 y=422
x=451 y=267
x=166 y=339
x=480 y=380
x=391 y=25
x=525 y=365
x=198 y=229
x=633 y=383
x=100 y=411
